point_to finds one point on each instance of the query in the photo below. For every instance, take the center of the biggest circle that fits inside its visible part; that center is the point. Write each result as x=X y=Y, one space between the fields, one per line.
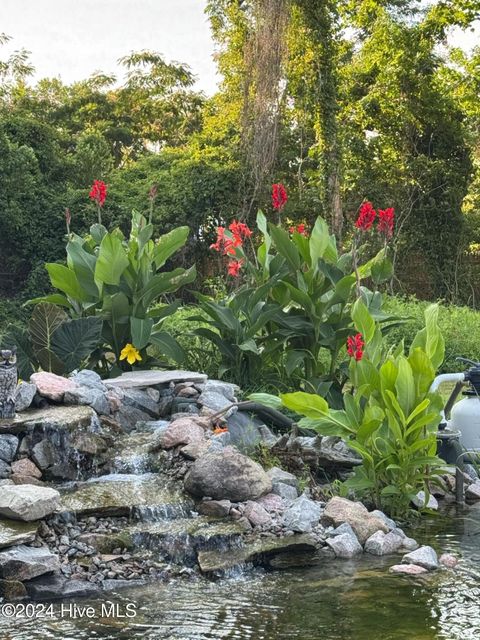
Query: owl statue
x=8 y=382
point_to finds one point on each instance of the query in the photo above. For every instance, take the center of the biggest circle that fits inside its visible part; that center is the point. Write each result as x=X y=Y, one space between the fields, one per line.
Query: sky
x=72 y=39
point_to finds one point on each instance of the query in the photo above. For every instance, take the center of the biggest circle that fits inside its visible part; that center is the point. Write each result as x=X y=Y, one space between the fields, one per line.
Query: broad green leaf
x=363 y=321
x=55 y=298
x=83 y=264
x=98 y=232
x=266 y=399
x=74 y=341
x=405 y=386
x=168 y=244
x=45 y=320
x=161 y=283
x=26 y=360
x=168 y=345
x=322 y=245
x=285 y=246
x=65 y=279
x=307 y=404
x=112 y=260
x=141 y=329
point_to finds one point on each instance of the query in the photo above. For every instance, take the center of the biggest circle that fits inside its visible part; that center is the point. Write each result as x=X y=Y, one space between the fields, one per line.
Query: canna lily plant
x=121 y=283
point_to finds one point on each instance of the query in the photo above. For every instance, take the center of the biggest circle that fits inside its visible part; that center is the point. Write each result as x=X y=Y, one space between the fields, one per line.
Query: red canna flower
x=240 y=232
x=366 y=216
x=279 y=196
x=98 y=192
x=386 y=221
x=355 y=346
x=300 y=228
x=224 y=244
x=234 y=267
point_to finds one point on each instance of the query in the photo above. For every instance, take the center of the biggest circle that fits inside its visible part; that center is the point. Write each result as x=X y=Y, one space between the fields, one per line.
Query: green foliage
x=117 y=282
x=390 y=417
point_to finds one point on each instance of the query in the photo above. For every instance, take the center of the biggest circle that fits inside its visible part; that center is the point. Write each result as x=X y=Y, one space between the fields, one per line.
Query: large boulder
x=28 y=502
x=23 y=563
x=229 y=475
x=339 y=510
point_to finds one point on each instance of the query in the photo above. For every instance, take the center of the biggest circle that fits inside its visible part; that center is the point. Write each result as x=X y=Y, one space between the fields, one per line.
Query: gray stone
x=420 y=501
x=43 y=454
x=152 y=378
x=140 y=399
x=302 y=515
x=257 y=515
x=408 y=544
x=218 y=395
x=328 y=452
x=55 y=587
x=24 y=395
x=365 y=524
x=24 y=563
x=343 y=528
x=88 y=396
x=279 y=475
x=391 y=524
x=28 y=502
x=128 y=417
x=8 y=447
x=382 y=544
x=408 y=569
x=215 y=508
x=472 y=492
x=5 y=471
x=423 y=556
x=346 y=545
x=247 y=432
x=285 y=491
x=90 y=379
x=156 y=426
x=227 y=474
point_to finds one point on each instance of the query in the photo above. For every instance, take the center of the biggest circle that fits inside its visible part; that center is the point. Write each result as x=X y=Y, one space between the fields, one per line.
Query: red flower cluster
x=279 y=196
x=300 y=228
x=226 y=245
x=98 y=192
x=366 y=216
x=386 y=220
x=355 y=346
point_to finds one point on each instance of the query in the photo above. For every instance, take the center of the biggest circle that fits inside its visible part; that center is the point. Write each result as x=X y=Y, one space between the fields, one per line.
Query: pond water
x=340 y=600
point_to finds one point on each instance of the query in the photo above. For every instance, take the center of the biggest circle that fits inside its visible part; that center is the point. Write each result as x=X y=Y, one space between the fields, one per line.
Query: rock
x=260 y=552
x=57 y=418
x=15 y=533
x=472 y=492
x=92 y=397
x=448 y=560
x=194 y=450
x=217 y=395
x=382 y=544
x=89 y=443
x=18 y=479
x=408 y=569
x=55 y=587
x=181 y=431
x=27 y=502
x=52 y=386
x=26 y=467
x=365 y=524
x=408 y=544
x=328 y=452
x=215 y=508
x=285 y=491
x=302 y=515
x=89 y=379
x=227 y=474
x=246 y=431
x=187 y=392
x=346 y=545
x=423 y=556
x=343 y=528
x=24 y=395
x=391 y=524
x=141 y=400
x=257 y=515
x=43 y=454
x=420 y=501
x=8 y=447
x=12 y=590
x=272 y=502
x=5 y=470
x=152 y=378
x=279 y=475
x=24 y=563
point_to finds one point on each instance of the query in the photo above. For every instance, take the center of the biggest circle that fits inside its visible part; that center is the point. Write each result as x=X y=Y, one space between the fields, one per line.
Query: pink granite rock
x=182 y=431
x=408 y=569
x=448 y=560
x=272 y=502
x=26 y=467
x=51 y=386
x=256 y=514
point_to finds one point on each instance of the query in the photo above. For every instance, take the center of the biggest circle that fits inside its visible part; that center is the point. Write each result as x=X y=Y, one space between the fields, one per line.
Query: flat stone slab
x=13 y=532
x=142 y=379
x=28 y=502
x=118 y=494
x=260 y=552
x=55 y=587
x=24 y=563
x=57 y=417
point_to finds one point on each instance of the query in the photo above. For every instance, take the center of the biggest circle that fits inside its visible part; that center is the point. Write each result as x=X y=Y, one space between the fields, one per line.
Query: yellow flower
x=130 y=354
